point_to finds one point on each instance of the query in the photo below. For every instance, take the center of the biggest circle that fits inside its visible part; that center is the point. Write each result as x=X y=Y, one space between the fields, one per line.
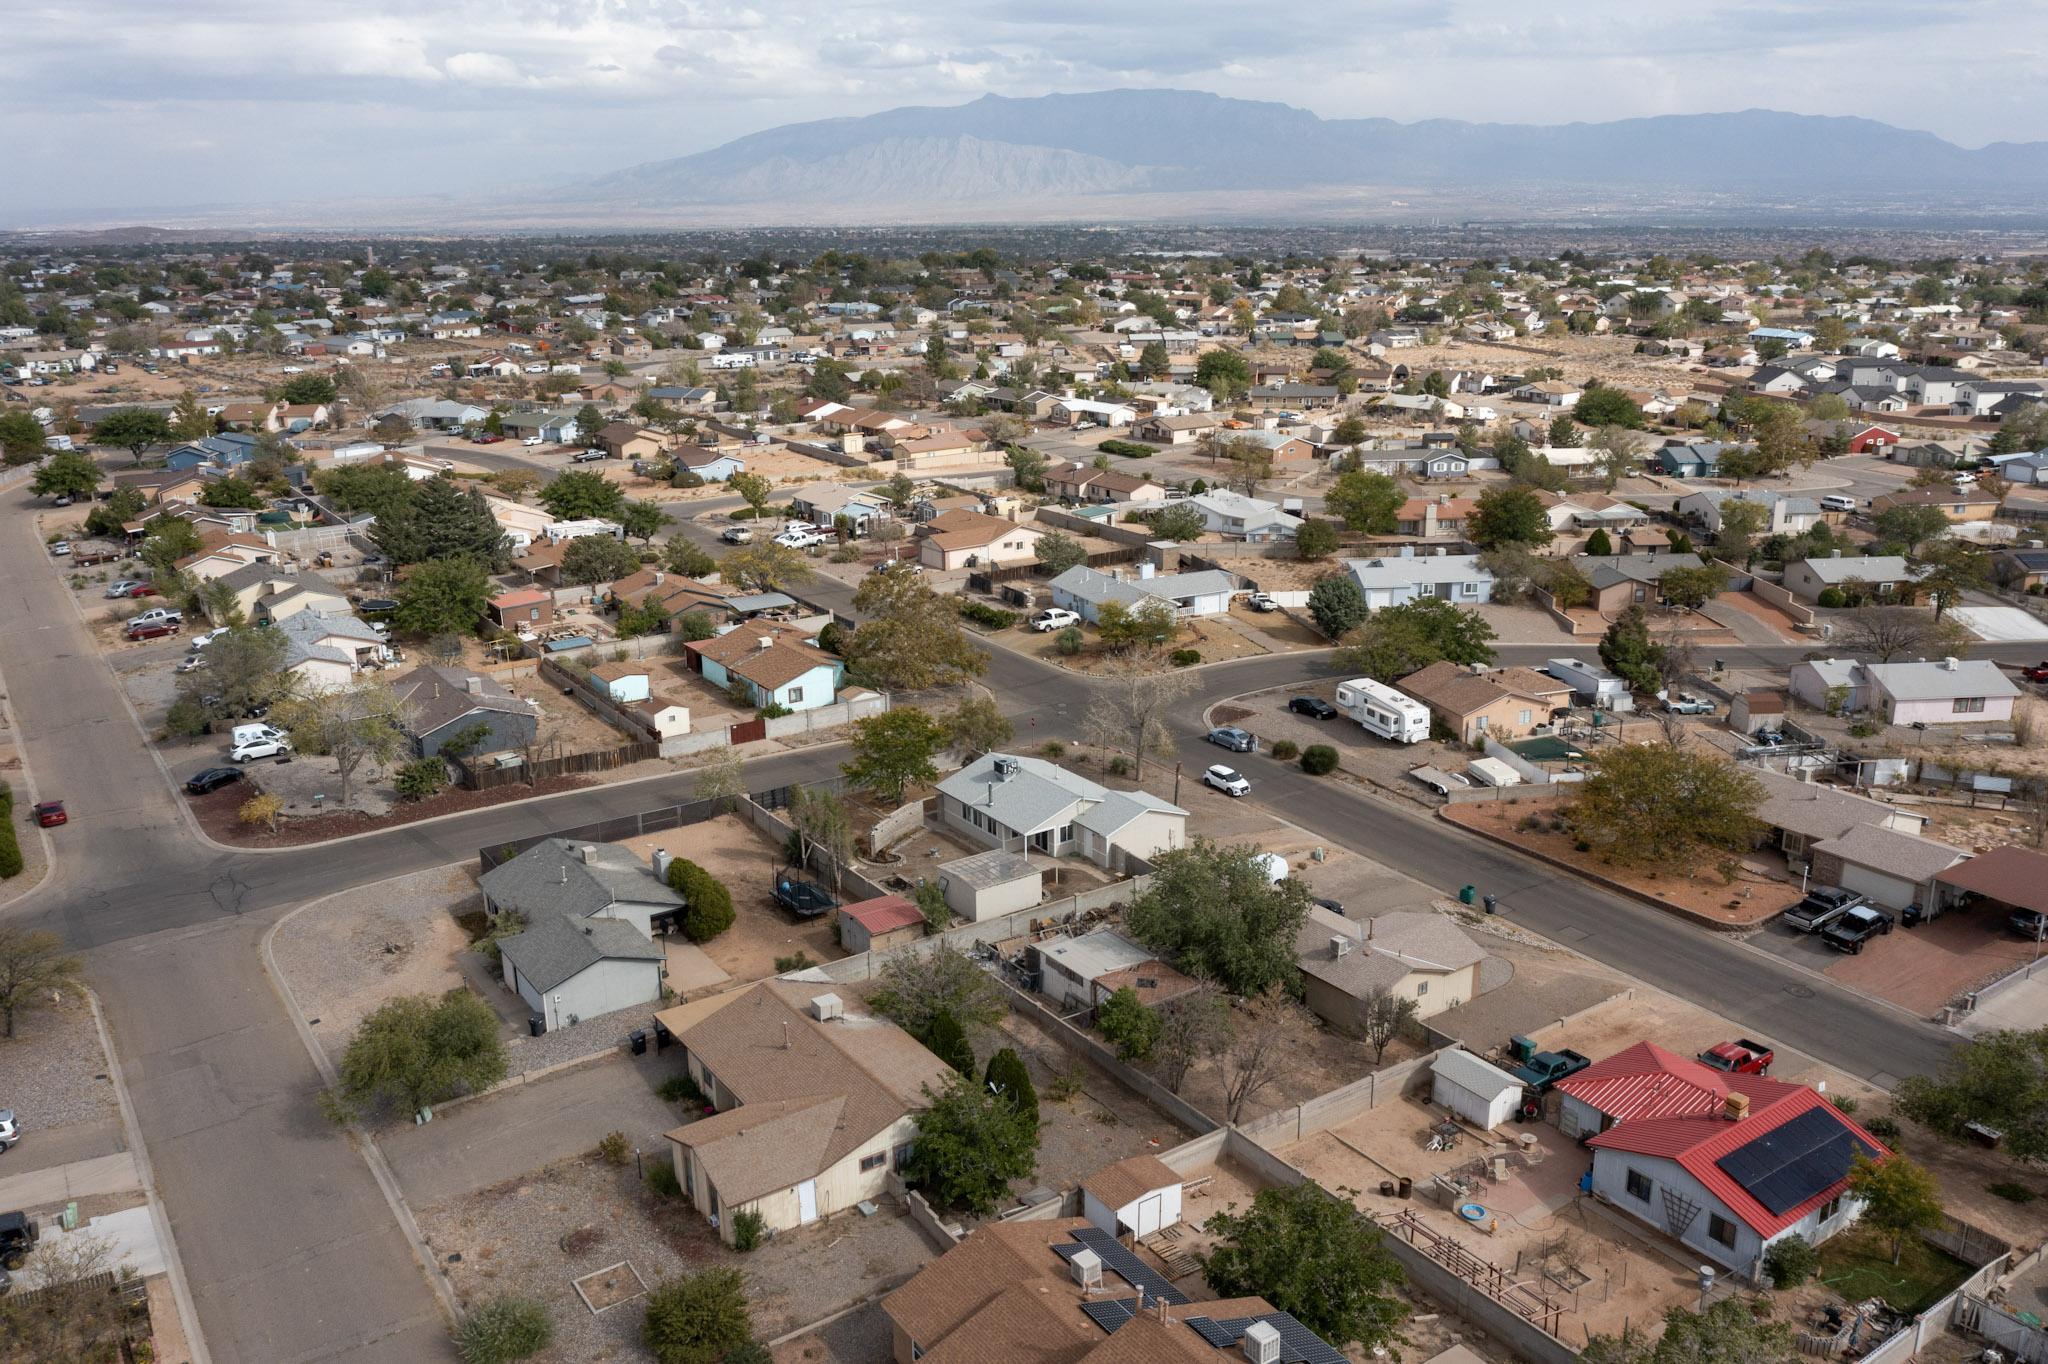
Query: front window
x=1720 y=1230
x=1969 y=705
x=873 y=1162
x=796 y=694
x=1638 y=1185
x=1830 y=1208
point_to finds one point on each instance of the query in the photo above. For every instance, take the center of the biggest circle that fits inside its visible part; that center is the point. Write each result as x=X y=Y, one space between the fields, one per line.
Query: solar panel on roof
x=1111 y=1314
x=1793 y=1162
x=1122 y=1263
x=1210 y=1331
x=1298 y=1344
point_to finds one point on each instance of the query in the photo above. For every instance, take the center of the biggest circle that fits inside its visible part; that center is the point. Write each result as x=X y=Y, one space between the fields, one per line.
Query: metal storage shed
x=1477 y=1091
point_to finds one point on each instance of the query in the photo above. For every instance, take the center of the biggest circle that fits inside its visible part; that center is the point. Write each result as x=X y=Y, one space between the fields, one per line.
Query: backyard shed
x=990 y=884
x=881 y=922
x=1140 y=1195
x=1479 y=1092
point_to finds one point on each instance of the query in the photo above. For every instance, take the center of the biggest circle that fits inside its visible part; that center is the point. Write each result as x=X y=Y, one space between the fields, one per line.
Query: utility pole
x=1176 y=783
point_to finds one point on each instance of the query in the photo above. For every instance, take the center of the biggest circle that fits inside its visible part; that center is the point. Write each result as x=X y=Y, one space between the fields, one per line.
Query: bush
x=796 y=961
x=1832 y=597
x=420 y=779
x=1884 y=1129
x=947 y=1040
x=613 y=1149
x=709 y=911
x=680 y=1089
x=2012 y=1193
x=989 y=617
x=699 y=1319
x=1843 y=1103
x=1318 y=759
x=10 y=843
x=504 y=1329
x=186 y=718
x=1119 y=766
x=1068 y=641
x=1286 y=751
x=1183 y=658
x=747 y=1227
x=774 y=710
x=1052 y=750
x=1790 y=1262
x=1129 y=449
x=661 y=1177
x=847 y=553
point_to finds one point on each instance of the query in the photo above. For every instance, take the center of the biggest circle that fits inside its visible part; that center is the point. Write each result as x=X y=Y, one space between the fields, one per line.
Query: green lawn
x=1858 y=1265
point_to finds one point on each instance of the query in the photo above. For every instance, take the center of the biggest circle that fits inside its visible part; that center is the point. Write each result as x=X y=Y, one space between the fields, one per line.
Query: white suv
x=1227 y=780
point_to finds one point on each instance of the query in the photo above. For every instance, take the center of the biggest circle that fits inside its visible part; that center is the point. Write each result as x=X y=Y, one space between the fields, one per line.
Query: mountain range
x=1111 y=153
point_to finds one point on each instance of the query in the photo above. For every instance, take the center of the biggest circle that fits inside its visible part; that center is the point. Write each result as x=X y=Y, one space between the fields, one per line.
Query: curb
x=28 y=780
x=380 y=1170
x=174 y=1265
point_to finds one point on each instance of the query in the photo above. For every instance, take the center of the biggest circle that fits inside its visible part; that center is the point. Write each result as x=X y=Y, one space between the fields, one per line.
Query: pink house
x=1949 y=692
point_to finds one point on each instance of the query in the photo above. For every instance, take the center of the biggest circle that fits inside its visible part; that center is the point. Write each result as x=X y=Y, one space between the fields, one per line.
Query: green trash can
x=1467 y=894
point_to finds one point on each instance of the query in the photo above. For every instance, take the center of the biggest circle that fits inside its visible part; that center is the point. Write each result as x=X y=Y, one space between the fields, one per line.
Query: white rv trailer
x=1383 y=711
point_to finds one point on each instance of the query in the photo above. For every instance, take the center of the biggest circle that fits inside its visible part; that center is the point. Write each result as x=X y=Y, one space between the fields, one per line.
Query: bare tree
x=1131 y=707
x=351 y=727
x=1382 y=1017
x=1884 y=632
x=819 y=818
x=722 y=778
x=1267 y=1027
x=1192 y=1028
x=80 y=1310
x=33 y=968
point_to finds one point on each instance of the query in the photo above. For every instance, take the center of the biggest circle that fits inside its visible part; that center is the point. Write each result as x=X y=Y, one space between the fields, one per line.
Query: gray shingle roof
x=555 y=876
x=555 y=948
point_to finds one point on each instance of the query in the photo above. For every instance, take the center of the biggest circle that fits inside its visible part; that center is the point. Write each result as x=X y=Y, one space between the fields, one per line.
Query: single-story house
x=885 y=921
x=1244 y=518
x=1785 y=514
x=1478 y=704
x=1420 y=955
x=1958 y=505
x=817 y=1105
x=1184 y=429
x=1799 y=813
x=1624 y=580
x=222 y=553
x=779 y=664
x=1081 y=972
x=1085 y=591
x=970 y=539
x=1086 y=483
x=443 y=704
x=825 y=503
x=1949 y=692
x=987 y=885
x=326 y=652
x=1139 y=1197
x=1458 y=578
x=579 y=881
x=1894 y=869
x=1872 y=575
x=2021 y=569
x=568 y=970
x=709 y=463
x=521 y=608
x=1026 y=804
x=630 y=440
x=267 y=591
x=1690 y=459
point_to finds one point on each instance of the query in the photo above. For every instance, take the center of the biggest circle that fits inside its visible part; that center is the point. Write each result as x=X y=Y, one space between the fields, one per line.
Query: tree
x=1616 y=450
x=894 y=750
x=970 y=1145
x=1058 y=551
x=722 y=778
x=1131 y=707
x=168 y=539
x=578 y=495
x=134 y=429
x=1911 y=525
x=1563 y=433
x=419 y=1050
x=1885 y=632
x=1350 y=431
x=305 y=389
x=1603 y=406
x=1217 y=913
x=1398 y=640
x=976 y=726
x=680 y=554
x=1225 y=373
x=765 y=568
x=1316 y=539
x=21 y=437
x=1313 y=1255
x=443 y=596
x=1598 y=544
x=697 y=1318
x=352 y=727
x=1193 y=1027
x=110 y=516
x=506 y=1328
x=916 y=987
x=1382 y=1017
x=899 y=491
x=1948 y=569
x=1899 y=1197
x=709 y=909
x=232 y=491
x=1692 y=588
x=1627 y=650
x=1008 y=1077
x=1658 y=805
x=1729 y=1332
x=643 y=520
x=421 y=778
x=242 y=670
x=1154 y=362
x=1148 y=625
x=33 y=969
x=1337 y=605
x=1509 y=514
x=1998 y=1079
x=1027 y=468
x=1741 y=522
x=1125 y=1021
x=598 y=559
x=1179 y=523
x=910 y=638
x=66 y=474
x=753 y=489
x=1366 y=500
x=376 y=489
x=947 y=1040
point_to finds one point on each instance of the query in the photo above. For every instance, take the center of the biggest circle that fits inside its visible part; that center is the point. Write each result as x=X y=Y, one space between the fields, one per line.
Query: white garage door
x=1888 y=891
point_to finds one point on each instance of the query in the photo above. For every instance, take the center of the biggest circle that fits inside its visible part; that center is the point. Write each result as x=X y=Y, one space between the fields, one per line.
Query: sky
x=113 y=106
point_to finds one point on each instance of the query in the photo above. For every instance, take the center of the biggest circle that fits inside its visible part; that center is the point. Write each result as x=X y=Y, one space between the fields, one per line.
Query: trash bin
x=535 y=1025
x=1407 y=1187
x=1492 y=905
x=1911 y=917
x=1466 y=894
x=638 y=1040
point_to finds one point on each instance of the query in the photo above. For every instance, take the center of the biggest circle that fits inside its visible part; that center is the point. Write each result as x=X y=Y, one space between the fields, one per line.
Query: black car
x=212 y=779
x=2031 y=924
x=1855 y=927
x=1312 y=708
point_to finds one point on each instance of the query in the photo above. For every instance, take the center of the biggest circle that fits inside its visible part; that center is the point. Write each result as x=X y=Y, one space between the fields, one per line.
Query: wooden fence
x=489 y=776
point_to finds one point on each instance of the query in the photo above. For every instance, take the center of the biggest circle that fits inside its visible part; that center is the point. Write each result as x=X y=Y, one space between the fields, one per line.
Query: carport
x=2013 y=877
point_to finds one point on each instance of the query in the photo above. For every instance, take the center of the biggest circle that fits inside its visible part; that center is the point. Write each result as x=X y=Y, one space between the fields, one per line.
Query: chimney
x=1735 y=1107
x=785 y=1035
x=473 y=685
x=1950 y=664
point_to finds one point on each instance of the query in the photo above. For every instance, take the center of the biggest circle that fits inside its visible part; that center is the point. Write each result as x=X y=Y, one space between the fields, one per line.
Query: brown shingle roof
x=784 y=660
x=1461 y=691
x=1125 y=1182
x=2009 y=875
x=967 y=529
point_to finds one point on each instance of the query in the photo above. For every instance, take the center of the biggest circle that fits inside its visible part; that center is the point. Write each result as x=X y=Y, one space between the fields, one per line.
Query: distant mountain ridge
x=997 y=151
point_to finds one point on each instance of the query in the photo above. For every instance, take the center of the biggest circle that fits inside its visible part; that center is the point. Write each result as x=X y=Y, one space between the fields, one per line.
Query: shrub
x=989 y=617
x=186 y=718
x=845 y=554
x=1790 y=1262
x=2012 y=1193
x=680 y=1089
x=1129 y=449
x=661 y=1177
x=709 y=911
x=1884 y=1129
x=10 y=843
x=1119 y=766
x=1318 y=759
x=796 y=961
x=774 y=710
x=1052 y=749
x=1286 y=751
x=1008 y=1076
x=947 y=1040
x=698 y=1319
x=1183 y=658
x=747 y=1227
x=420 y=779
x=1843 y=1103
x=1068 y=641
x=1832 y=597
x=504 y=1329
x=613 y=1149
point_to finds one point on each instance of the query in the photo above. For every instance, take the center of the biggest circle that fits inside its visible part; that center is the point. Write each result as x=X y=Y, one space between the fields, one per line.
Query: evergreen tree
x=947 y=1040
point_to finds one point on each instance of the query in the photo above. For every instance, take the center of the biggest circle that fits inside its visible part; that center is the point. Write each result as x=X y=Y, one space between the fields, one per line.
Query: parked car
x=60 y=548
x=1546 y=1068
x=191 y=663
x=531 y=440
x=154 y=629
x=1821 y=907
x=800 y=539
x=201 y=641
x=1313 y=707
x=1685 y=703
x=61 y=500
x=10 y=1129
x=586 y=456
x=1260 y=601
x=1856 y=926
x=736 y=535
x=50 y=813
x=142 y=590
x=159 y=615
x=1054 y=618
x=211 y=779
x=2028 y=923
x=1744 y=1056
x=2037 y=673
x=1227 y=780
x=119 y=587
x=18 y=1236
x=485 y=438
x=259 y=748
x=1234 y=739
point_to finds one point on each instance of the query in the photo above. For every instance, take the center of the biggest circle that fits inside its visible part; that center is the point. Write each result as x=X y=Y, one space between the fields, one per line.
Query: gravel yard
x=735 y=853
x=53 y=1068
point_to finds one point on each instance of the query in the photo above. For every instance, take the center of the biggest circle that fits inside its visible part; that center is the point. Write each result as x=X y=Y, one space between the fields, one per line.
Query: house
x=1030 y=805
x=1408 y=577
x=558 y=878
x=1785 y=514
x=522 y=524
x=568 y=970
x=1081 y=972
x=630 y=440
x=1139 y=1197
x=1085 y=591
x=1018 y=1291
x=1866 y=575
x=1622 y=581
x=1691 y=459
x=1965 y=504
x=825 y=503
x=1085 y=483
x=553 y=427
x=1243 y=518
x=522 y=609
x=1476 y=703
x=447 y=704
x=1591 y=511
x=623 y=681
x=1421 y=956
x=817 y=1105
x=1894 y=869
x=709 y=463
x=1551 y=393
x=326 y=651
x=1725 y=1163
x=434 y=414
x=268 y=591
x=777 y=664
x=987 y=885
x=1294 y=397
x=228 y=450
x=885 y=921
x=1799 y=813
x=1431 y=518
x=1087 y=411
x=970 y=539
x=2020 y=569
x=1949 y=692
x=222 y=553
x=1183 y=429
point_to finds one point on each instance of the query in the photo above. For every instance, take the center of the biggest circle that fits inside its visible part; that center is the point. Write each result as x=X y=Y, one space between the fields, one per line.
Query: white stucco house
x=1457 y=578
x=1022 y=804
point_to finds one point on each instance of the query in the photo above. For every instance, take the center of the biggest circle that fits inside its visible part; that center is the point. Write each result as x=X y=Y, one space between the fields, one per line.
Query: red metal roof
x=884 y=914
x=1646 y=1081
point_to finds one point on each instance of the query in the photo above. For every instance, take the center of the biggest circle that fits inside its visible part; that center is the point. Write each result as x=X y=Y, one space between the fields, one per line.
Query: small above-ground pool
x=1472 y=1212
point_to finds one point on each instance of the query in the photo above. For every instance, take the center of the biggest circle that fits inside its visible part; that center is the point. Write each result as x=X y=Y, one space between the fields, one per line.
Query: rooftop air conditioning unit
x=825 y=1008
x=1087 y=1269
x=1262 y=1343
x=1339 y=945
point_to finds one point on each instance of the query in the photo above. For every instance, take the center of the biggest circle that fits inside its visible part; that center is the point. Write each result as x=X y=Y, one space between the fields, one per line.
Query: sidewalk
x=62 y=1183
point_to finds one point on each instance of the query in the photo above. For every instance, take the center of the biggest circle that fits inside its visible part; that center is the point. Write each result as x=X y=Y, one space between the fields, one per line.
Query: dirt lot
x=736 y=854
x=1216 y=639
x=1365 y=756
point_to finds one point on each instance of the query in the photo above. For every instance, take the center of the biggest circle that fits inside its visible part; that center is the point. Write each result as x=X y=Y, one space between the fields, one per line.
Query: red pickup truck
x=2037 y=673
x=1745 y=1056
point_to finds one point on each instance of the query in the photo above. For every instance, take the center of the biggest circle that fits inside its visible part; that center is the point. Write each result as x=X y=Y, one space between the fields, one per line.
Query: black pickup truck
x=804 y=899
